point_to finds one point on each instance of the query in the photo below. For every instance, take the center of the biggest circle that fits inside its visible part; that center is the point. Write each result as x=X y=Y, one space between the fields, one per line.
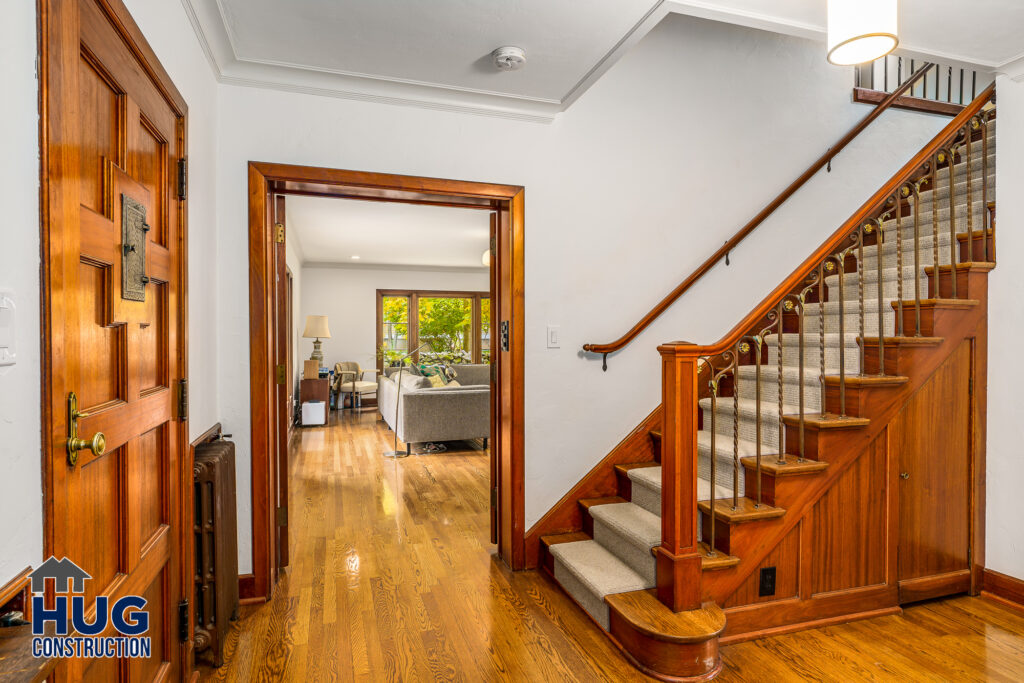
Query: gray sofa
x=427 y=413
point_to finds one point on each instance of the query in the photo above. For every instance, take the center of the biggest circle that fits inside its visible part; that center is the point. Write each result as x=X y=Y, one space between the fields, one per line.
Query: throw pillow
x=454 y=383
x=436 y=380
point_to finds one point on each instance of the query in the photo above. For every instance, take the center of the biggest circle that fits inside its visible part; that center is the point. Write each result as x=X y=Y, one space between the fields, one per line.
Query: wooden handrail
x=757 y=220
x=834 y=243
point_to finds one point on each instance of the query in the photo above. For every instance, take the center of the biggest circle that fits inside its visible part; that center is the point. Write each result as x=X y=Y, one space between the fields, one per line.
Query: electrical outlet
x=766 y=586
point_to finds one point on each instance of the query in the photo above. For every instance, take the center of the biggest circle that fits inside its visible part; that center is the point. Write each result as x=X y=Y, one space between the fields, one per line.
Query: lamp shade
x=316 y=327
x=485 y=258
x=861 y=30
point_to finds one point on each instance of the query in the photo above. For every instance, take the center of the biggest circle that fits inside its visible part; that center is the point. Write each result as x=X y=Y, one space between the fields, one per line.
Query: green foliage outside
x=446 y=325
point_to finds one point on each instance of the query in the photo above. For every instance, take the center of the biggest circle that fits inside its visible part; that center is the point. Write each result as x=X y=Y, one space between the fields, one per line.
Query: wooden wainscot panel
x=786 y=560
x=849 y=536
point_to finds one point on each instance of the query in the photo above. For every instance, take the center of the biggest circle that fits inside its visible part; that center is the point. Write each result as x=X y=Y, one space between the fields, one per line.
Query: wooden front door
x=113 y=133
x=932 y=438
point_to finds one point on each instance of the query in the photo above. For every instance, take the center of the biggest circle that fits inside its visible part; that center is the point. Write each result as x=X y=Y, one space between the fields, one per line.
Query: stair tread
x=644 y=612
x=587 y=503
x=869 y=380
x=597 y=567
x=630 y=521
x=746 y=510
x=651 y=478
x=792 y=467
x=568 y=537
x=719 y=560
x=828 y=421
x=964 y=265
x=655 y=433
x=626 y=467
x=905 y=341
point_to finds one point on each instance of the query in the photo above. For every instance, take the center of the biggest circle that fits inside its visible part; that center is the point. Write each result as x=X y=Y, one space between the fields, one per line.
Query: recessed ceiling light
x=355 y=258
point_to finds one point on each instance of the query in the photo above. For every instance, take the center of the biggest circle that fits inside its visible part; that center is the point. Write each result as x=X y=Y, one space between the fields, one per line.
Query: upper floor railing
x=707 y=265
x=943 y=89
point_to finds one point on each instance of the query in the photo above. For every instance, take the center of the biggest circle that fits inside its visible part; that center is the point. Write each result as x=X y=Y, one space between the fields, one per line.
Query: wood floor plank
x=393 y=578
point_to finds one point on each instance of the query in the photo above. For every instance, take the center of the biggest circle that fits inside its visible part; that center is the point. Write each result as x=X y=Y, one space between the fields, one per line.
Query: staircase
x=779 y=446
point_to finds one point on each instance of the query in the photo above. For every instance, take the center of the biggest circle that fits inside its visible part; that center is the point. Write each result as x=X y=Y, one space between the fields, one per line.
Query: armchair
x=349 y=378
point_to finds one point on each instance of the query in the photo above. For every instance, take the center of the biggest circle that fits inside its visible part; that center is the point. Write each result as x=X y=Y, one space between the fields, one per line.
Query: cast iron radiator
x=216 y=545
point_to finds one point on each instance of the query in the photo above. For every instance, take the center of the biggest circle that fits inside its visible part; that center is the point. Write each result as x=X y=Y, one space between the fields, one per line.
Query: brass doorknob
x=904 y=475
x=98 y=445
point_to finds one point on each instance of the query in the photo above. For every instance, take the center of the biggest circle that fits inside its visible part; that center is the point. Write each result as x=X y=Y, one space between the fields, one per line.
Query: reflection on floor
x=393 y=578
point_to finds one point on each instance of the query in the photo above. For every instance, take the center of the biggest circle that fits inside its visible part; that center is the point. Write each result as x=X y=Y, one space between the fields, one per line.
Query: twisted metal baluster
x=821 y=334
x=841 y=269
x=757 y=392
x=800 y=358
x=782 y=426
x=934 y=184
x=950 y=155
x=972 y=124
x=714 y=460
x=984 y=187
x=917 y=260
x=899 y=259
x=736 y=427
x=879 y=245
x=864 y=229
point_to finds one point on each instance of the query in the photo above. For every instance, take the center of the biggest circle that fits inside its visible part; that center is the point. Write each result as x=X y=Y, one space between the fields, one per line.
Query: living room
x=391 y=321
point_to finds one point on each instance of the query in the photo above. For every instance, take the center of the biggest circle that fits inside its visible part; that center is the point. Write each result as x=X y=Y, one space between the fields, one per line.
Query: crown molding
x=1013 y=68
x=338 y=265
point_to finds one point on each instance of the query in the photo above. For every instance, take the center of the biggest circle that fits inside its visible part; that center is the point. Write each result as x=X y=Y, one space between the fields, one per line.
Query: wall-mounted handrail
x=767 y=211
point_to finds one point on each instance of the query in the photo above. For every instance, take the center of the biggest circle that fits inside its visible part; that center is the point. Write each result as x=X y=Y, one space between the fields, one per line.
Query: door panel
x=114 y=128
x=932 y=438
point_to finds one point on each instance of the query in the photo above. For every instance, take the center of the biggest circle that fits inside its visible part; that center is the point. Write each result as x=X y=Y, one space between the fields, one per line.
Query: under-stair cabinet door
x=931 y=438
x=114 y=232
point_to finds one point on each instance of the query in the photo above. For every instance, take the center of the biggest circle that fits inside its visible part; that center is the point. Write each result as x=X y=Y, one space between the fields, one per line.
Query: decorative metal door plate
x=133 y=249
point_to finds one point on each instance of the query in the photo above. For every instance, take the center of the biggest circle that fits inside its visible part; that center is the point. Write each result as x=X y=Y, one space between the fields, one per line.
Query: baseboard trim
x=600 y=481
x=813 y=623
x=1003 y=588
x=928 y=587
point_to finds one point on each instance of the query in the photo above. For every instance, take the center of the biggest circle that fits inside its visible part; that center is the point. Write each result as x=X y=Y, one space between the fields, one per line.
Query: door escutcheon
x=98 y=443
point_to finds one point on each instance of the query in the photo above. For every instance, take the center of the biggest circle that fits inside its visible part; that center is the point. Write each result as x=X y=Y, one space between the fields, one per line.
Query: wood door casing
x=931 y=436
x=114 y=126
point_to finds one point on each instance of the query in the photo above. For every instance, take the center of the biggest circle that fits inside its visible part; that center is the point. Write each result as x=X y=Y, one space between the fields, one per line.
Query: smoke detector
x=509 y=58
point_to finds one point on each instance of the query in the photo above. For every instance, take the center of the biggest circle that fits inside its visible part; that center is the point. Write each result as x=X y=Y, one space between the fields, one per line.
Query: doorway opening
x=270 y=186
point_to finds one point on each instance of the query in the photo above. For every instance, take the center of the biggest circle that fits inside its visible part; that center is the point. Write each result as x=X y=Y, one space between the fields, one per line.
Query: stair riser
x=646 y=497
x=857 y=398
x=723 y=468
x=770 y=387
x=594 y=605
x=638 y=558
x=812 y=324
x=890 y=285
x=747 y=428
x=959 y=188
x=924 y=221
x=812 y=354
x=968 y=285
x=974 y=249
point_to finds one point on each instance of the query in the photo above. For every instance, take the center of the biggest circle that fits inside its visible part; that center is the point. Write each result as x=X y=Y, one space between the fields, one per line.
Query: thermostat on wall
x=8 y=352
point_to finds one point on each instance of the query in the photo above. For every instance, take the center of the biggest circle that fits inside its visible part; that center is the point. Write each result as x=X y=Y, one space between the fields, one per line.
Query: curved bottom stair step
x=588 y=572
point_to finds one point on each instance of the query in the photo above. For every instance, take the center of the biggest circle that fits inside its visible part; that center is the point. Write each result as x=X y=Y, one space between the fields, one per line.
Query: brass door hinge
x=282 y=516
x=279 y=233
x=182 y=179
x=280 y=374
x=182 y=399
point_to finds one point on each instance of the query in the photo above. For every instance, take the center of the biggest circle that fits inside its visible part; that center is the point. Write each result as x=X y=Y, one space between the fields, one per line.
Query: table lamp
x=316 y=327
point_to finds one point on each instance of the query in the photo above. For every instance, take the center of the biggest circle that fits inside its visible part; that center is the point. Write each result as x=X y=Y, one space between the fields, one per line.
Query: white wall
x=348 y=297
x=1004 y=534
x=649 y=172
x=21 y=524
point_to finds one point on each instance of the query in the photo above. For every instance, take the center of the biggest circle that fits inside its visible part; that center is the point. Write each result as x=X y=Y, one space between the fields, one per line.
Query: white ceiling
x=435 y=53
x=332 y=231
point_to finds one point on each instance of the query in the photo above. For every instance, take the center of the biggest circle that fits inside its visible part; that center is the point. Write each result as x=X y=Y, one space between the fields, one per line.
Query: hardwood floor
x=393 y=578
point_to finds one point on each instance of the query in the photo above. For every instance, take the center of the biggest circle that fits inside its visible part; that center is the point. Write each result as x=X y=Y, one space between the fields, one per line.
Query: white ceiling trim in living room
x=567 y=60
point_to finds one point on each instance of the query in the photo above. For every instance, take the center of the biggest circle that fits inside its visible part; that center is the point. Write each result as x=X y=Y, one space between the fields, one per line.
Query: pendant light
x=861 y=31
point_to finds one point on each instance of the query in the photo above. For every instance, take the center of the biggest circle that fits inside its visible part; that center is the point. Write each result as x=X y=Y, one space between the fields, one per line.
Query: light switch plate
x=8 y=328
x=554 y=336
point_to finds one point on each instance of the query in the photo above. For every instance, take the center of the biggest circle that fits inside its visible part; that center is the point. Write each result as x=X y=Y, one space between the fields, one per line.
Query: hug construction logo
x=126 y=615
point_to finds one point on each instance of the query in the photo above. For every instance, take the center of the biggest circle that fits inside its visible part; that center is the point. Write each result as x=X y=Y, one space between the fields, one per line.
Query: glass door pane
x=446 y=325
x=394 y=328
x=485 y=330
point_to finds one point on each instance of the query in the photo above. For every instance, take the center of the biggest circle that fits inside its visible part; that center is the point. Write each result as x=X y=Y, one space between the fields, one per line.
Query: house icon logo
x=63 y=572
x=60 y=627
